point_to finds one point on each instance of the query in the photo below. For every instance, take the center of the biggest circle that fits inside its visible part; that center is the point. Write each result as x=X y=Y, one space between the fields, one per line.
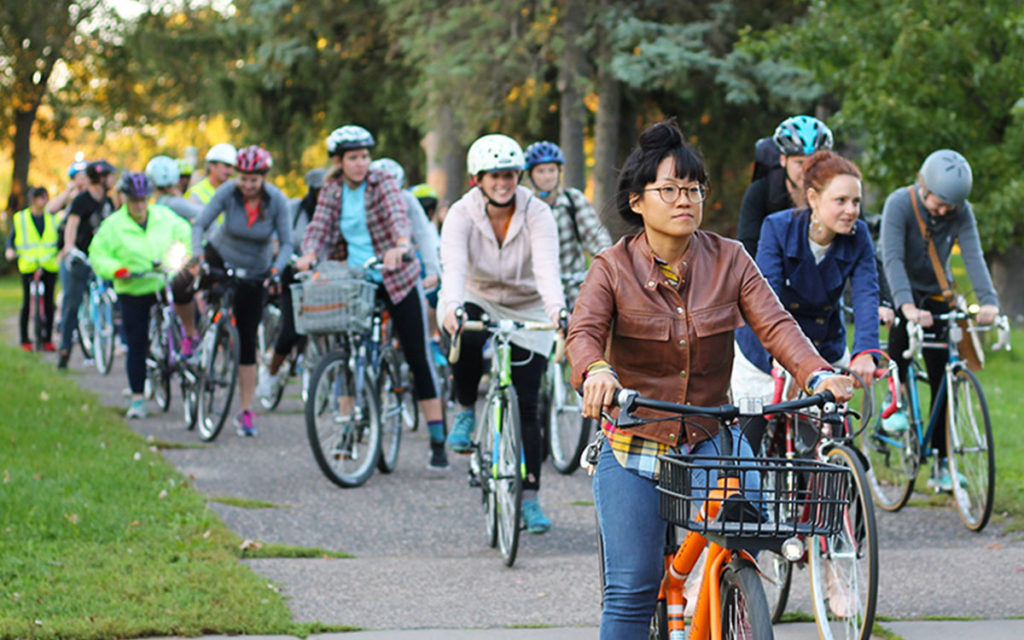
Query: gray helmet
x=947 y=174
x=315 y=178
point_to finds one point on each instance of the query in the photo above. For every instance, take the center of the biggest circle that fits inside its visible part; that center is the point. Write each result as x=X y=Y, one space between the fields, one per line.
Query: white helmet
x=223 y=152
x=494 y=152
x=349 y=138
x=163 y=171
x=390 y=167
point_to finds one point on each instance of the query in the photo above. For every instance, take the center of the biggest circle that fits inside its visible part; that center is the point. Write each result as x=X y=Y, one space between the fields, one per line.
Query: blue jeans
x=78 y=283
x=633 y=537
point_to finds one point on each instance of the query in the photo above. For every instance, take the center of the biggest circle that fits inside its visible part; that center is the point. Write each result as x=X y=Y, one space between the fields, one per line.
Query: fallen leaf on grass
x=162 y=494
x=72 y=517
x=7 y=476
x=206 y=534
x=137 y=456
x=37 y=476
x=136 y=523
x=44 y=397
x=994 y=545
x=251 y=545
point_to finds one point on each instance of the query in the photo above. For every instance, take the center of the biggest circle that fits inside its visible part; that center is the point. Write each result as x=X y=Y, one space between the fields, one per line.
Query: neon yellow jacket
x=35 y=250
x=121 y=242
x=201 y=191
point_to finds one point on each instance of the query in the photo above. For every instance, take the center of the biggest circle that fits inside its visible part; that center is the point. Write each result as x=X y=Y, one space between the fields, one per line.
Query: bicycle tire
x=394 y=397
x=480 y=466
x=508 y=472
x=158 y=376
x=337 y=439
x=218 y=379
x=893 y=458
x=971 y=450
x=744 y=611
x=847 y=560
x=189 y=398
x=316 y=347
x=568 y=430
x=776 y=571
x=266 y=337
x=104 y=336
x=86 y=328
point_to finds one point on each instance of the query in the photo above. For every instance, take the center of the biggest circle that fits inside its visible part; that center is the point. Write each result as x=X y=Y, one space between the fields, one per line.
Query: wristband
x=817 y=377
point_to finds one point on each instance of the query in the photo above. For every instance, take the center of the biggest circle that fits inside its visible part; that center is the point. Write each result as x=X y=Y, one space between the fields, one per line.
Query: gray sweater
x=424 y=235
x=243 y=246
x=905 y=253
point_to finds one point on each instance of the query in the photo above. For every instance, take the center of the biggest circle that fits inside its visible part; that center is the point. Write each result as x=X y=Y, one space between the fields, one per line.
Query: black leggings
x=287 y=338
x=934 y=360
x=135 y=318
x=411 y=326
x=49 y=280
x=527 y=372
x=248 y=308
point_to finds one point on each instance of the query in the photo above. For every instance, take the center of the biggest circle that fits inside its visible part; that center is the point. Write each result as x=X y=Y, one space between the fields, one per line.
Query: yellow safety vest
x=202 y=190
x=35 y=251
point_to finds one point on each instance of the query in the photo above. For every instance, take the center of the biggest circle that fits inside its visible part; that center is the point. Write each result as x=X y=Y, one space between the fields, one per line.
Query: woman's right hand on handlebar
x=920 y=316
x=598 y=393
x=840 y=386
x=305 y=262
x=451 y=322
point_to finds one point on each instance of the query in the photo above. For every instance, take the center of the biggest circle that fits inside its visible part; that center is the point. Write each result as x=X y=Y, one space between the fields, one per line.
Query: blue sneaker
x=534 y=518
x=458 y=439
x=942 y=481
x=896 y=423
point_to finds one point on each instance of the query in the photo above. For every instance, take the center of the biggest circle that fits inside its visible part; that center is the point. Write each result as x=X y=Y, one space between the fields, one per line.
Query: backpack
x=572 y=213
x=766 y=157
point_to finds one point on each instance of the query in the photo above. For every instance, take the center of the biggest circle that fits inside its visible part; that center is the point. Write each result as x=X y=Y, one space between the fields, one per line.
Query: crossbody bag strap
x=933 y=254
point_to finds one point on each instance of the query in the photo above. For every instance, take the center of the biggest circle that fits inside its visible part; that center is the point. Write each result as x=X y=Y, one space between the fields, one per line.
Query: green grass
x=291 y=551
x=100 y=537
x=247 y=503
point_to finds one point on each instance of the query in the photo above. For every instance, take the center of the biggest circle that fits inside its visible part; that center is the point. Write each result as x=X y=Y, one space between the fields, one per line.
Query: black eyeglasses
x=670 y=193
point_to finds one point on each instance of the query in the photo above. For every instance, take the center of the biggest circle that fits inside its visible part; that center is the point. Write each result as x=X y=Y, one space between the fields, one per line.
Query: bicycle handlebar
x=915 y=332
x=502 y=326
x=629 y=400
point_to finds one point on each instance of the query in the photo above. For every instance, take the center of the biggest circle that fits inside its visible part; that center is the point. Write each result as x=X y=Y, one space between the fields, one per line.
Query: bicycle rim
x=86 y=330
x=395 y=399
x=568 y=430
x=844 y=566
x=266 y=337
x=217 y=385
x=507 y=472
x=343 y=434
x=157 y=368
x=483 y=438
x=893 y=457
x=971 y=453
x=103 y=341
x=744 y=610
x=189 y=399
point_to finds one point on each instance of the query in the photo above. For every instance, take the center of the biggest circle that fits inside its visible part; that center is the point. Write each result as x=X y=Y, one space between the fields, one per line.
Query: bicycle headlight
x=793 y=549
x=175 y=257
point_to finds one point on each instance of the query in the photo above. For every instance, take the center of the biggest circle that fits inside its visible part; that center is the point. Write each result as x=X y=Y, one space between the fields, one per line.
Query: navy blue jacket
x=811 y=292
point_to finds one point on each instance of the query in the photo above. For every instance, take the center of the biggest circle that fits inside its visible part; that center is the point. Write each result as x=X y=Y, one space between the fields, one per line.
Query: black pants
x=410 y=320
x=287 y=339
x=934 y=360
x=135 y=318
x=49 y=280
x=527 y=372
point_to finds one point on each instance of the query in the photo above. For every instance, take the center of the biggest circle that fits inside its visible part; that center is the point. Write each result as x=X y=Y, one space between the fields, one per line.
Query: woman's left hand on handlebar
x=886 y=316
x=987 y=314
x=840 y=386
x=864 y=366
x=598 y=392
x=393 y=256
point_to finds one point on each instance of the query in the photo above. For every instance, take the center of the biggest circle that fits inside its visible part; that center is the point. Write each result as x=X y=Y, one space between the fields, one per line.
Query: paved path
x=421 y=562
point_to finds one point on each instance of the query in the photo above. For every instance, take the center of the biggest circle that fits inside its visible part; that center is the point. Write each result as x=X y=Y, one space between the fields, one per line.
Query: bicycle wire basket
x=795 y=497
x=327 y=304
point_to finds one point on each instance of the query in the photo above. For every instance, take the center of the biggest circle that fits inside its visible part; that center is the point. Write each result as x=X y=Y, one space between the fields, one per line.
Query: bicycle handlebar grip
x=455 y=348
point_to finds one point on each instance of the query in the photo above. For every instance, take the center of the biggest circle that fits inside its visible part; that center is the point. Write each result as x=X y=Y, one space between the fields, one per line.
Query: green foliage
x=916 y=76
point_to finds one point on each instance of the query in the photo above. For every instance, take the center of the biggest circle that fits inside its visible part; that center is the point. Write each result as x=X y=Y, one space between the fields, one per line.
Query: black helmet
x=99 y=168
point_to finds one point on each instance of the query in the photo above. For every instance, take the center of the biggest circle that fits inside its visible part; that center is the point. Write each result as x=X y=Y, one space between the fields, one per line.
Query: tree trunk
x=1006 y=276
x=572 y=112
x=453 y=156
x=606 y=146
x=23 y=121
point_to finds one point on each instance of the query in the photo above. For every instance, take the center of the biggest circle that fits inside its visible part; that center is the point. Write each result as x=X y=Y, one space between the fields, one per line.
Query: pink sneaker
x=186 y=346
x=244 y=422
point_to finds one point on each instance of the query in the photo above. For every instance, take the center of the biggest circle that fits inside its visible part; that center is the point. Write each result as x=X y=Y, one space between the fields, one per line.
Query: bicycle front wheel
x=158 y=376
x=971 y=451
x=266 y=337
x=104 y=333
x=86 y=327
x=507 y=471
x=217 y=383
x=891 y=449
x=744 y=609
x=568 y=430
x=844 y=566
x=342 y=421
x=395 y=399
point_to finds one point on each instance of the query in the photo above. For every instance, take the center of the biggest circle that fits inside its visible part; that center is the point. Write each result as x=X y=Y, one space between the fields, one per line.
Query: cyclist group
x=675 y=312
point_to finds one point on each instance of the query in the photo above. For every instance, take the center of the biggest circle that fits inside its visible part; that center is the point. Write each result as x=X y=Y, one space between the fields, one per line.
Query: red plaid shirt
x=385 y=219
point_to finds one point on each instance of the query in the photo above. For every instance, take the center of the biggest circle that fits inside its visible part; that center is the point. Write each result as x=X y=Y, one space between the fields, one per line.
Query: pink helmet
x=254 y=159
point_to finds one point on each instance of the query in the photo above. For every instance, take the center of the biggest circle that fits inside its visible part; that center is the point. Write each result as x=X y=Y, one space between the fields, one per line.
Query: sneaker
x=187 y=344
x=88 y=362
x=62 y=360
x=48 y=347
x=840 y=599
x=267 y=385
x=942 y=481
x=438 y=458
x=534 y=518
x=244 y=422
x=137 y=409
x=458 y=439
x=26 y=346
x=896 y=423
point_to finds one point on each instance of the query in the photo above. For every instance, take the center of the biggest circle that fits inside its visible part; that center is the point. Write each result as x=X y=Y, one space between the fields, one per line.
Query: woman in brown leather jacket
x=657 y=314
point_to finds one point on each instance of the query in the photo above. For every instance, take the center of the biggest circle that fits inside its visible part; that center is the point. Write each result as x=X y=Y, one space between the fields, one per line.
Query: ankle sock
x=436 y=428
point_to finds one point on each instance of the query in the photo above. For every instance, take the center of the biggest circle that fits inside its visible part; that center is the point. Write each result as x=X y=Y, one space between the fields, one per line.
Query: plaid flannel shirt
x=593 y=239
x=385 y=219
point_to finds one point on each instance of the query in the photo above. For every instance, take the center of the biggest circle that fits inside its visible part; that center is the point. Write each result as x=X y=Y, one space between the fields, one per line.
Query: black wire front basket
x=765 y=501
